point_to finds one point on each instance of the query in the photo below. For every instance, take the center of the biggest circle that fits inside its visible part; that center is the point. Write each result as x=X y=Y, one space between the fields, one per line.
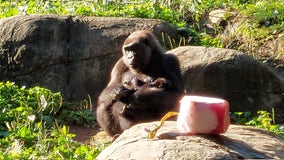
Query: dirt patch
x=83 y=133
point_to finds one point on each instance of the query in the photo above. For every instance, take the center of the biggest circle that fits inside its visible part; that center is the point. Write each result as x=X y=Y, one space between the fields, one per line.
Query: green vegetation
x=263 y=120
x=262 y=21
x=31 y=125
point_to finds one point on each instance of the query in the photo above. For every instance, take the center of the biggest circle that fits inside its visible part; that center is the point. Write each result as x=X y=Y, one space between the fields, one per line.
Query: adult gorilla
x=145 y=84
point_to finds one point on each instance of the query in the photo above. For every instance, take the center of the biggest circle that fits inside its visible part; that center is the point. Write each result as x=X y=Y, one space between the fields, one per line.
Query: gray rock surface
x=238 y=142
x=247 y=84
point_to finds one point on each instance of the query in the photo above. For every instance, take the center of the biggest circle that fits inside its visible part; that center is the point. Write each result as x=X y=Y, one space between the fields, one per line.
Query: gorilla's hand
x=132 y=102
x=161 y=83
x=120 y=93
x=147 y=79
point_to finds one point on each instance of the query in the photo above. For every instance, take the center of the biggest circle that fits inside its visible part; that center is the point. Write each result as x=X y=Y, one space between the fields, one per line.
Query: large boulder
x=73 y=55
x=247 y=84
x=239 y=142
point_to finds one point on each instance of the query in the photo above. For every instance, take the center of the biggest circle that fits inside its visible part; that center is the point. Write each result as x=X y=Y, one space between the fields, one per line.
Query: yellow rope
x=153 y=133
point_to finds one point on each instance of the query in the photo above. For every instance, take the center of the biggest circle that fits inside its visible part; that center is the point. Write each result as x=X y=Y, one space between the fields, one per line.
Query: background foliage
x=31 y=126
x=261 y=19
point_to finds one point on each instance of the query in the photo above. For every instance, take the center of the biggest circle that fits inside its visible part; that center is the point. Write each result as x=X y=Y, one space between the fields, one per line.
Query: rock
x=239 y=142
x=73 y=55
x=218 y=20
x=229 y=74
x=218 y=17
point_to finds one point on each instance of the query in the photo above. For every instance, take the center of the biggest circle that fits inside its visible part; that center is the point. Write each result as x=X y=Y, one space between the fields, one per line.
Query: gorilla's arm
x=108 y=106
x=173 y=72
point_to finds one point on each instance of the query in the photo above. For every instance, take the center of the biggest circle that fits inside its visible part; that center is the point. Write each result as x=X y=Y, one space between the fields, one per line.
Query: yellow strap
x=153 y=133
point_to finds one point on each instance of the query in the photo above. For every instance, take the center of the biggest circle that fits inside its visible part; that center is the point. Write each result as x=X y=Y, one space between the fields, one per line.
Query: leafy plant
x=266 y=120
x=30 y=126
x=266 y=13
x=240 y=117
x=78 y=113
x=263 y=120
x=21 y=104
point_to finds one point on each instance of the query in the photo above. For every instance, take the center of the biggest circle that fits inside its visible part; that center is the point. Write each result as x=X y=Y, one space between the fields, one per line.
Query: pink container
x=205 y=115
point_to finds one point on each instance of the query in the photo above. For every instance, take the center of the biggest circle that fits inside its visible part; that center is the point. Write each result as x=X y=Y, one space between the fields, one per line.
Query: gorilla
x=145 y=84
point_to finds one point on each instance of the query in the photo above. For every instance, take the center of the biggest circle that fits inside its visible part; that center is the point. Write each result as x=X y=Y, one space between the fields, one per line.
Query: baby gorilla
x=145 y=84
x=132 y=83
